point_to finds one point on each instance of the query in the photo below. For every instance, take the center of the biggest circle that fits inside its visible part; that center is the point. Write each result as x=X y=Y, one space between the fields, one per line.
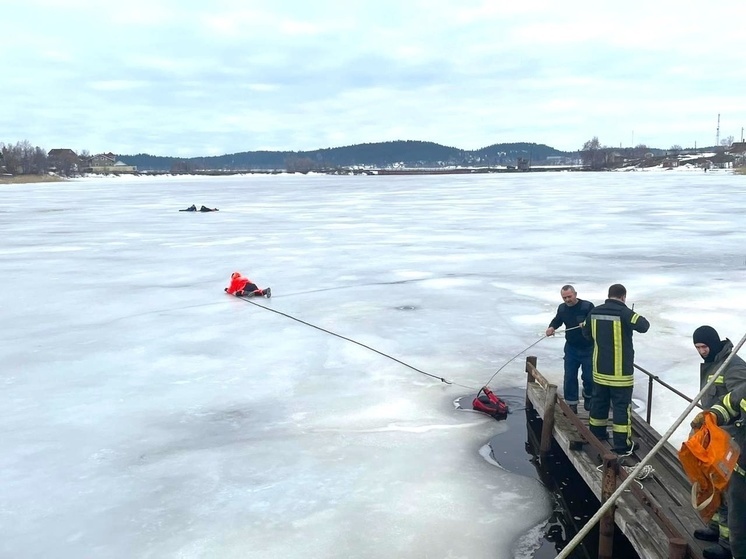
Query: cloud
x=180 y=76
x=117 y=85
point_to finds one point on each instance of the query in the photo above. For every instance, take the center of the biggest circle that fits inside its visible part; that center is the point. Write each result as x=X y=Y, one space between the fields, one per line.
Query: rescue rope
x=441 y=379
x=640 y=467
x=512 y=359
x=524 y=351
x=645 y=472
x=639 y=476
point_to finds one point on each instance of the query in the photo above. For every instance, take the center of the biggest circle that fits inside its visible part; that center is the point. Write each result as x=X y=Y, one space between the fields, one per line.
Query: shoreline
x=33 y=179
x=28 y=179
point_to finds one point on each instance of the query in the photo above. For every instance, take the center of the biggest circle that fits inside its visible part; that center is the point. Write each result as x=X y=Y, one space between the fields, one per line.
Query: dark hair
x=617 y=291
x=568 y=287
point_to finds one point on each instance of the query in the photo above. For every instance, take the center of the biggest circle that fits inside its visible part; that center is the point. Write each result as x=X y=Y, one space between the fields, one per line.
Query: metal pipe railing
x=655 y=378
x=664 y=438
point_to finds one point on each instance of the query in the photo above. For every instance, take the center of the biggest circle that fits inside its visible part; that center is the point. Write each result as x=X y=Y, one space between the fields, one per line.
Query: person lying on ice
x=241 y=286
x=193 y=208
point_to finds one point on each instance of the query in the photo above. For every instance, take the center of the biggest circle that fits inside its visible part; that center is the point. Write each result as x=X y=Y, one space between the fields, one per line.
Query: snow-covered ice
x=147 y=414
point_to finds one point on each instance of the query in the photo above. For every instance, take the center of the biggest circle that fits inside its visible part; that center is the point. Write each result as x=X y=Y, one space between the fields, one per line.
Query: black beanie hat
x=708 y=335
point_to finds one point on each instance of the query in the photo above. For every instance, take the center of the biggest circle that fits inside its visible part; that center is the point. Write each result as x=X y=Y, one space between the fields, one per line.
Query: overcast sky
x=180 y=77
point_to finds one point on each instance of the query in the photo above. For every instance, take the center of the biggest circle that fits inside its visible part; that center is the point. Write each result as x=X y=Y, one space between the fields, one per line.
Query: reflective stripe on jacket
x=731 y=408
x=610 y=326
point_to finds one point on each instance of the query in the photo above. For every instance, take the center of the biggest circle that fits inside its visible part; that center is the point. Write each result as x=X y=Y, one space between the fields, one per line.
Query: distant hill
x=408 y=153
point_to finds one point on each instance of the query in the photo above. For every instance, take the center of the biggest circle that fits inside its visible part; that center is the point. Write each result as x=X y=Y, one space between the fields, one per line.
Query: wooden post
x=531 y=359
x=546 y=429
x=606 y=524
x=677 y=548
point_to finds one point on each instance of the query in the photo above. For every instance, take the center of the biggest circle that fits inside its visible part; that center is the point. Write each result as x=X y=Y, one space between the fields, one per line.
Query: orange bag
x=708 y=457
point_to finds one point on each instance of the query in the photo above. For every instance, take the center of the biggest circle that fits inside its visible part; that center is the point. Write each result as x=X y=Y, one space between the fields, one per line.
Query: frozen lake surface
x=147 y=414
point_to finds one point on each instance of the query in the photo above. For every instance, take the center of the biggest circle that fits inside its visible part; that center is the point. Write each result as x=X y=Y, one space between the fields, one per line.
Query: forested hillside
x=383 y=154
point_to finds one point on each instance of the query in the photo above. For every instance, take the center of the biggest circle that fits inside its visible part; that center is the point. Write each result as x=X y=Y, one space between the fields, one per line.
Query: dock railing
x=677 y=548
x=652 y=379
x=611 y=472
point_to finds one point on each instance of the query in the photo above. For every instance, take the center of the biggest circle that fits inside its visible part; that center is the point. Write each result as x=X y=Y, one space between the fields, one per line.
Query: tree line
x=23 y=158
x=409 y=153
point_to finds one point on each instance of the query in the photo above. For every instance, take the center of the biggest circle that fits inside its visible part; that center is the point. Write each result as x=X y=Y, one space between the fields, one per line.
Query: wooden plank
x=670 y=487
x=640 y=528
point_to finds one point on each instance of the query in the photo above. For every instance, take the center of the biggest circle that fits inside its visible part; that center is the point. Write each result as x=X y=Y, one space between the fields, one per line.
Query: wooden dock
x=656 y=515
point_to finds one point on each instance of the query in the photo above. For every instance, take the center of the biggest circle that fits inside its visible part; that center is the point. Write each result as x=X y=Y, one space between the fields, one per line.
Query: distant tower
x=717 y=135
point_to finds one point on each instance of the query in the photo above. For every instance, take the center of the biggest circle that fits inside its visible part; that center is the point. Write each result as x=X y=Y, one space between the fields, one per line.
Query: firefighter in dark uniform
x=727 y=400
x=610 y=326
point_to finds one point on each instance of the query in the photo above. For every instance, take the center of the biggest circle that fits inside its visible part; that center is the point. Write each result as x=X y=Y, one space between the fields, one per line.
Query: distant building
x=61 y=152
x=738 y=151
x=102 y=160
x=105 y=163
x=723 y=160
x=63 y=161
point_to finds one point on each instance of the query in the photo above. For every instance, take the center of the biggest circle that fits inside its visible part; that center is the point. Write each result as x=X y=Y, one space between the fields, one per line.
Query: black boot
x=707 y=534
x=716 y=552
x=574 y=408
x=267 y=292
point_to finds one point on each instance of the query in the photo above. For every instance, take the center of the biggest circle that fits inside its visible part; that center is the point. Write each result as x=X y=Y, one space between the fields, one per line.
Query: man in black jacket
x=727 y=400
x=578 y=349
x=610 y=326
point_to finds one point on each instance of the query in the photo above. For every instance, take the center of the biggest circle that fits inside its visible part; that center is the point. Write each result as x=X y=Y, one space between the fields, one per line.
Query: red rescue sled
x=490 y=404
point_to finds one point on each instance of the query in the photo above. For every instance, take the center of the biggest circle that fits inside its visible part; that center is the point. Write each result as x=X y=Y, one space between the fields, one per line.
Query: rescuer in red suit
x=241 y=286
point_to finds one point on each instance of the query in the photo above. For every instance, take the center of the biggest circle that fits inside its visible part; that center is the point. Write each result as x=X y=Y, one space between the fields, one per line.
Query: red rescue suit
x=241 y=283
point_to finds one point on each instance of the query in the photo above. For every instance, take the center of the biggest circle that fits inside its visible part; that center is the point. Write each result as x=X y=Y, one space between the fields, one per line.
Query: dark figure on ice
x=206 y=209
x=191 y=208
x=610 y=326
x=578 y=348
x=243 y=286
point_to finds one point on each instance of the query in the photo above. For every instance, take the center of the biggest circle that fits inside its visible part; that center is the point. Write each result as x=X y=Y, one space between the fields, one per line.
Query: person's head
x=707 y=341
x=569 y=295
x=235 y=275
x=618 y=291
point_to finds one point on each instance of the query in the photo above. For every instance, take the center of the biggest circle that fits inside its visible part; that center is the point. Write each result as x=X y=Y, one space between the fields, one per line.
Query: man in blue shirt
x=578 y=349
